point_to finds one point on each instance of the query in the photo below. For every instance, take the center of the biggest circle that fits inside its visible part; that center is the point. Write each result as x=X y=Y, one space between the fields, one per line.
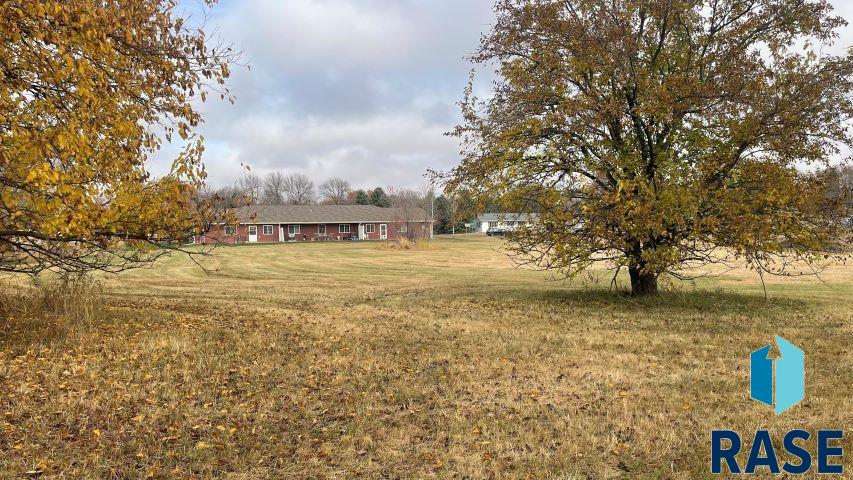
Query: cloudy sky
x=361 y=89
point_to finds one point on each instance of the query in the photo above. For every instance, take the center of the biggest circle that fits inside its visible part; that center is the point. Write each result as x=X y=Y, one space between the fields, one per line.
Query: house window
x=294 y=230
x=321 y=229
x=404 y=228
x=230 y=230
x=343 y=228
x=267 y=229
x=370 y=228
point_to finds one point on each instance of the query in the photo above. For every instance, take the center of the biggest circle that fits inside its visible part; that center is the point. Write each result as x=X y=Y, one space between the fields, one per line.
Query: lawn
x=342 y=360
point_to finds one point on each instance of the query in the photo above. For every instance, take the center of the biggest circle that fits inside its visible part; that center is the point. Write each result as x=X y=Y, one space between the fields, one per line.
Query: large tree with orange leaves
x=89 y=89
x=658 y=135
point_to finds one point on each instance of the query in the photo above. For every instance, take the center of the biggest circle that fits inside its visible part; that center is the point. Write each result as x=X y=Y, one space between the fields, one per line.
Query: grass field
x=340 y=360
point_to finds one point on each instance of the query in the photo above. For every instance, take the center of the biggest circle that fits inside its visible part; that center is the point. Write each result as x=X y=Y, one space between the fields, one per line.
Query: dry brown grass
x=403 y=244
x=48 y=307
x=338 y=360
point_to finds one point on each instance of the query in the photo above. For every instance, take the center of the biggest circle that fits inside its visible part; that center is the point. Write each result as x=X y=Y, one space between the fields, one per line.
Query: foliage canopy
x=88 y=91
x=655 y=135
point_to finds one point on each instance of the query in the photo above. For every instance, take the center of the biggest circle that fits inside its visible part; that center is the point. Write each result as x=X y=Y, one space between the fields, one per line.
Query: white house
x=507 y=221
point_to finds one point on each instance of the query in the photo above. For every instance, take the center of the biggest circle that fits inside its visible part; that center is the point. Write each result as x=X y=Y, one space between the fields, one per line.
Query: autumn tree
x=223 y=198
x=298 y=189
x=660 y=135
x=273 y=188
x=839 y=188
x=251 y=185
x=411 y=207
x=88 y=91
x=335 y=191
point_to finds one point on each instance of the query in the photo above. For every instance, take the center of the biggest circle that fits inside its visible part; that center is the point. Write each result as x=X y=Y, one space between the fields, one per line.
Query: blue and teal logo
x=785 y=388
x=779 y=382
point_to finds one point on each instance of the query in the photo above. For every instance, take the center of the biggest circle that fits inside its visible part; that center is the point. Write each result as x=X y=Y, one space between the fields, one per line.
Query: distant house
x=283 y=223
x=503 y=220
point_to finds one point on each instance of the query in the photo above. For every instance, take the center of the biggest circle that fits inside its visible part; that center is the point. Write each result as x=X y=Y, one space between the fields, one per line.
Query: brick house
x=283 y=223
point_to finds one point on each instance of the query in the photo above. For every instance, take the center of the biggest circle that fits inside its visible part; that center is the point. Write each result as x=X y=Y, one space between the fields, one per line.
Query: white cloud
x=363 y=89
x=293 y=35
x=381 y=150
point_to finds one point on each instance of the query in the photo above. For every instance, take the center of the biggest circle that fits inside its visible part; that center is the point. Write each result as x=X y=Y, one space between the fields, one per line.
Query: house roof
x=307 y=214
x=508 y=217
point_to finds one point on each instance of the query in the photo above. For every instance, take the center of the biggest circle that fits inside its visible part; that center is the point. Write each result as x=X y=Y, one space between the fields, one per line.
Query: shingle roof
x=508 y=217
x=328 y=214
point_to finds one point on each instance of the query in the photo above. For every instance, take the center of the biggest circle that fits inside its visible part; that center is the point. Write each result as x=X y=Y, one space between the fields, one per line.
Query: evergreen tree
x=379 y=198
x=361 y=197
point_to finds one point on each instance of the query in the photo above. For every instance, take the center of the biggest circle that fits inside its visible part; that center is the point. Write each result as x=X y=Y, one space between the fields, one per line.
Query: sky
x=360 y=89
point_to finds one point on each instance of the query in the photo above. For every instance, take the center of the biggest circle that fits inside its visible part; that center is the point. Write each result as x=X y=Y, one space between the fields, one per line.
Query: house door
x=383 y=231
x=253 y=233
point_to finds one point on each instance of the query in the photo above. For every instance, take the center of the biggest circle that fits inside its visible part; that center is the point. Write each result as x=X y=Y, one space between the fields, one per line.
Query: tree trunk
x=642 y=284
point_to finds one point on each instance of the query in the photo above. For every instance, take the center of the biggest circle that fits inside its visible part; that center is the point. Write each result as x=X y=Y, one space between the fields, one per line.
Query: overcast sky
x=361 y=89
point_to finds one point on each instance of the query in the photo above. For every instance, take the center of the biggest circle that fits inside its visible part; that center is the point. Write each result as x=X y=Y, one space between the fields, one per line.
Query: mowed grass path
x=339 y=360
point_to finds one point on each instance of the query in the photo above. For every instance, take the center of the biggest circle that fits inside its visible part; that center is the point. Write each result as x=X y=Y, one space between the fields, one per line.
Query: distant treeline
x=277 y=188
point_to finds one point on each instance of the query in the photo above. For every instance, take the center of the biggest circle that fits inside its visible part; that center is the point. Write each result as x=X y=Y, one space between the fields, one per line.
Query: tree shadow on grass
x=677 y=303
x=700 y=312
x=716 y=300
